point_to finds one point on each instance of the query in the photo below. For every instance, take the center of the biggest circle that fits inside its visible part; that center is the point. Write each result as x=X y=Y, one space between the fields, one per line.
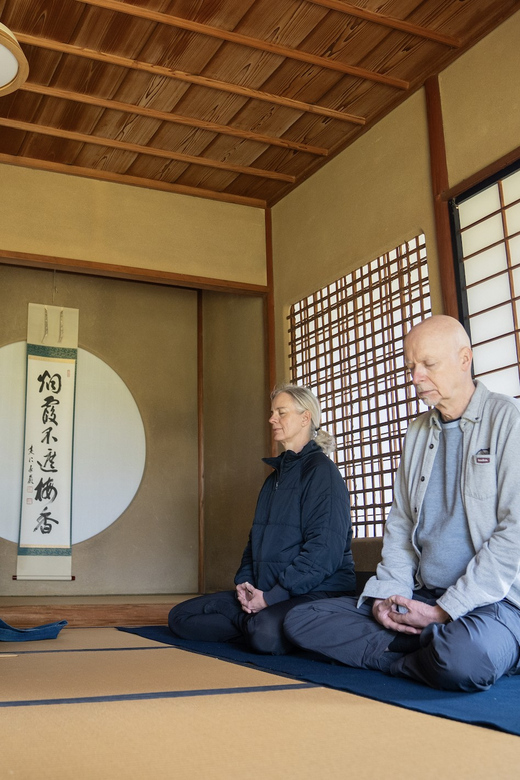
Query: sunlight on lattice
x=347 y=346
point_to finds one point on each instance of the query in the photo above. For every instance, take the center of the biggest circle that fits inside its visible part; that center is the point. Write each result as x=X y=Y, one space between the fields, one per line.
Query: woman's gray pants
x=468 y=654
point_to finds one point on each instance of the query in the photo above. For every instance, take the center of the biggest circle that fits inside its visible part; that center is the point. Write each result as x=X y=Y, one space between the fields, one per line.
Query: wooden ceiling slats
x=209 y=179
x=45 y=63
x=240 y=153
x=461 y=17
x=164 y=116
x=206 y=96
x=199 y=144
x=157 y=92
x=43 y=17
x=179 y=51
x=55 y=150
x=388 y=21
x=240 y=186
x=317 y=85
x=153 y=168
x=110 y=32
x=234 y=89
x=245 y=40
x=276 y=121
x=140 y=149
x=220 y=13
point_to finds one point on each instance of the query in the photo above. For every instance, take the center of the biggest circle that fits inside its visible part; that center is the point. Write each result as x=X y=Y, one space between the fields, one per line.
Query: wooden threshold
x=88 y=614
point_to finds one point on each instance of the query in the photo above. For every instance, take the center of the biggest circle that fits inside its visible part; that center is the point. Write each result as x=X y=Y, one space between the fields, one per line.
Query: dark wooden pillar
x=439 y=173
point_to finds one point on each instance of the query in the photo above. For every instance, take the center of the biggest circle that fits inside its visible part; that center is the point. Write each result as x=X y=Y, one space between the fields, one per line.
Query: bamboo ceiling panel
x=237 y=100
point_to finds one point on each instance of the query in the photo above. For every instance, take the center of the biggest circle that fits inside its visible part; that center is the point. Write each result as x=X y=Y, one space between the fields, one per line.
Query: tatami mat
x=315 y=733
x=106 y=673
x=276 y=729
x=79 y=639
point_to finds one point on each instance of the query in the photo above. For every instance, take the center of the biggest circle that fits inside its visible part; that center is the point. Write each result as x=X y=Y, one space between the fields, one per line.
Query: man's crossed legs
x=468 y=654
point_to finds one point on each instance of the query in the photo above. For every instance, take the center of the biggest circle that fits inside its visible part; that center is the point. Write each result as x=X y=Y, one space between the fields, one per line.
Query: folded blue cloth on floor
x=47 y=631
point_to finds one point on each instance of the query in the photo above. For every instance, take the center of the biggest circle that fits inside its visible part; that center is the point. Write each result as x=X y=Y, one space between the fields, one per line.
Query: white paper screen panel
x=490 y=240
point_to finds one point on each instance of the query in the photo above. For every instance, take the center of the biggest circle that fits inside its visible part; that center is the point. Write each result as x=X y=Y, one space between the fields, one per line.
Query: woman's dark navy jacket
x=300 y=539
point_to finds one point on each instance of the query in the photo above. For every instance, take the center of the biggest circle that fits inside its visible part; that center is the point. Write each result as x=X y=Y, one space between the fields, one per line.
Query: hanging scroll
x=44 y=548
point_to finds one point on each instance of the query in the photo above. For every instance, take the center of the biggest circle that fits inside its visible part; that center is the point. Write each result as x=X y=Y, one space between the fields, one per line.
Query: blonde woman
x=299 y=544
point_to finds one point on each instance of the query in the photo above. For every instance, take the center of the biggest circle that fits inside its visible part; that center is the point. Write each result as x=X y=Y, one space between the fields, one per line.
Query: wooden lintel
x=129 y=273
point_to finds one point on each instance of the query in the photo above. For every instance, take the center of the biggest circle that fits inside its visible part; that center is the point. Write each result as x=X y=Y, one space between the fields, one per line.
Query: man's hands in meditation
x=418 y=615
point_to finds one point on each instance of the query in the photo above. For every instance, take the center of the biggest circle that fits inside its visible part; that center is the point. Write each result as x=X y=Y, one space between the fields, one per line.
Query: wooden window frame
x=346 y=344
x=460 y=258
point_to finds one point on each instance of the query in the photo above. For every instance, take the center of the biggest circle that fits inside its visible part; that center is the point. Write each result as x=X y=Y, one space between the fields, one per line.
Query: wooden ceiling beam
x=125 y=146
x=389 y=21
x=164 y=116
x=203 y=81
x=245 y=40
x=136 y=181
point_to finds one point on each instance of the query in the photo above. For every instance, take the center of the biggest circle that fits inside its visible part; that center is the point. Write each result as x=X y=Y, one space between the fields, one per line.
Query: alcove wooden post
x=269 y=313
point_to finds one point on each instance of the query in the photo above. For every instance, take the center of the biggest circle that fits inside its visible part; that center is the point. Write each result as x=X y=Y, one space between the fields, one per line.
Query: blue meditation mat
x=497 y=708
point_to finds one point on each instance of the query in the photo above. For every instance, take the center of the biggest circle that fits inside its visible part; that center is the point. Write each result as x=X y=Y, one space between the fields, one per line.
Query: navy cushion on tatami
x=497 y=708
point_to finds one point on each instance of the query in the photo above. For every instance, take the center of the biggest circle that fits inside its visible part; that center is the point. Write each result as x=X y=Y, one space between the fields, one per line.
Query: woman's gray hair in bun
x=305 y=401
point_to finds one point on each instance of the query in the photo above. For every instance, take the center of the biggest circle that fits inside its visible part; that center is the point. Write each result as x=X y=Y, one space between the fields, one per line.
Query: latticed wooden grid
x=489 y=231
x=347 y=346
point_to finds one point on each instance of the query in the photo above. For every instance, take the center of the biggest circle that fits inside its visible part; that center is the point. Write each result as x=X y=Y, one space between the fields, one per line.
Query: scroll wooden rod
x=389 y=21
x=245 y=40
x=151 y=151
x=203 y=81
x=164 y=116
x=135 y=181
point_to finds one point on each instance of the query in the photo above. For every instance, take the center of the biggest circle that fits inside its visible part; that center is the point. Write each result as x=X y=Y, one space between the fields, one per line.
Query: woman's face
x=291 y=427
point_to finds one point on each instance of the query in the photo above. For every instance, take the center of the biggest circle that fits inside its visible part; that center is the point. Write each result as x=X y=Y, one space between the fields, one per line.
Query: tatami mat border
x=157 y=695
x=85 y=650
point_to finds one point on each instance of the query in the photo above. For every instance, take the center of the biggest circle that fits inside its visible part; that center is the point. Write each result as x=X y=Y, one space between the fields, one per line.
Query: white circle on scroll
x=109 y=444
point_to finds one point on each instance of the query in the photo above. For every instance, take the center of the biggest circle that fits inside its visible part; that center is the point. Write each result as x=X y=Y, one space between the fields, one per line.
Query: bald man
x=444 y=605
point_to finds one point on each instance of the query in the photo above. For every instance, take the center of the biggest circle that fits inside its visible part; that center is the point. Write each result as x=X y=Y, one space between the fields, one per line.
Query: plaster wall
x=67 y=216
x=481 y=102
x=236 y=436
x=366 y=201
x=148 y=335
x=377 y=193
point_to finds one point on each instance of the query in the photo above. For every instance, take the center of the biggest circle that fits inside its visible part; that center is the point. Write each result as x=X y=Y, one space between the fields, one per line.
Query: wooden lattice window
x=347 y=346
x=487 y=228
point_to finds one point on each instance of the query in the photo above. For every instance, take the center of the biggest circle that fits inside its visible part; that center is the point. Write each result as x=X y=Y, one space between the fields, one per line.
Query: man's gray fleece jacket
x=490 y=487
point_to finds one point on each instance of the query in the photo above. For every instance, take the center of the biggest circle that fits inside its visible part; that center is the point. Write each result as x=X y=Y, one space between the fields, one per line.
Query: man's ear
x=306 y=418
x=466 y=356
